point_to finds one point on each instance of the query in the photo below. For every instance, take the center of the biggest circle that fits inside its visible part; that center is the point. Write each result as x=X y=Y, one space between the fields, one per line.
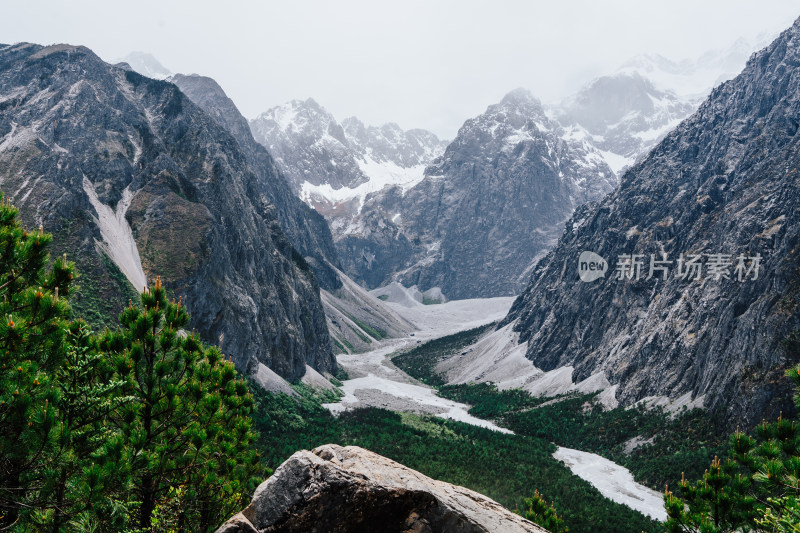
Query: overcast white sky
x=429 y=64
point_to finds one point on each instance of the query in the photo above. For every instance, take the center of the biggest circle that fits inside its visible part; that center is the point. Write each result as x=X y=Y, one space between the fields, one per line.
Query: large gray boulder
x=349 y=489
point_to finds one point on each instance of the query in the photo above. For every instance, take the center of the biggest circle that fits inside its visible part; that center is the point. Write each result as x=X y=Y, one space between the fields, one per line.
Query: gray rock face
x=179 y=184
x=309 y=145
x=306 y=229
x=725 y=181
x=487 y=209
x=349 y=489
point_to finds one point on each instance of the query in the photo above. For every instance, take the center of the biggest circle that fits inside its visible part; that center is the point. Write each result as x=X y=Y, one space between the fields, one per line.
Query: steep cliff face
x=305 y=228
x=134 y=179
x=489 y=207
x=724 y=182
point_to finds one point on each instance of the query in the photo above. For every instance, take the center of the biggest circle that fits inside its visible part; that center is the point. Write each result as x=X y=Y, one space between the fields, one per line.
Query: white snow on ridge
x=613 y=481
x=118 y=240
x=615 y=161
x=380 y=174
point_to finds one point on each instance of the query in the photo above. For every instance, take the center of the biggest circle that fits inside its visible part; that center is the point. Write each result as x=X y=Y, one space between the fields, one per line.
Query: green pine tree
x=538 y=511
x=759 y=484
x=33 y=319
x=87 y=468
x=189 y=427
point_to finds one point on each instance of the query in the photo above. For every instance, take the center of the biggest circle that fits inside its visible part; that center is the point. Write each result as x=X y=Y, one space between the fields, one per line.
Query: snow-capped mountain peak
x=333 y=166
x=146 y=65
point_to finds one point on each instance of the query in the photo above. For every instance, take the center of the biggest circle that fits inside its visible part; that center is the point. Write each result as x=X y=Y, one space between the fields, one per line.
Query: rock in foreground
x=349 y=489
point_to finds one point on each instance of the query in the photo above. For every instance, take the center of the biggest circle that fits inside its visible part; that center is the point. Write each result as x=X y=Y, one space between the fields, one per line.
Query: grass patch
x=341 y=374
x=375 y=333
x=339 y=347
x=360 y=335
x=99 y=299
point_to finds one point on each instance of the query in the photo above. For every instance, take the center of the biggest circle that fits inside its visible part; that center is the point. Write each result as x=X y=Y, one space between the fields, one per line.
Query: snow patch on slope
x=118 y=240
x=381 y=174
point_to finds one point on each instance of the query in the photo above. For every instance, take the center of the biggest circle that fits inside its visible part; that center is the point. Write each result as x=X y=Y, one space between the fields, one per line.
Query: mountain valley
x=559 y=318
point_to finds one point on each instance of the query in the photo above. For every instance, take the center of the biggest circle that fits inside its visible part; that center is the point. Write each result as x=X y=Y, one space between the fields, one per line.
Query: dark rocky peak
x=206 y=93
x=306 y=228
x=132 y=177
x=518 y=117
x=492 y=204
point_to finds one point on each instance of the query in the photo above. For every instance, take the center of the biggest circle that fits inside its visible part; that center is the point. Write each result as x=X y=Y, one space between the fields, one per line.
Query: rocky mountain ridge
x=306 y=229
x=333 y=165
x=486 y=209
x=135 y=180
x=718 y=191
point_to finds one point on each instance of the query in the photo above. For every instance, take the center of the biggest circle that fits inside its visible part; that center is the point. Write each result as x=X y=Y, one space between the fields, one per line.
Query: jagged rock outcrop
x=350 y=489
x=306 y=229
x=136 y=180
x=724 y=182
x=487 y=209
x=329 y=163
